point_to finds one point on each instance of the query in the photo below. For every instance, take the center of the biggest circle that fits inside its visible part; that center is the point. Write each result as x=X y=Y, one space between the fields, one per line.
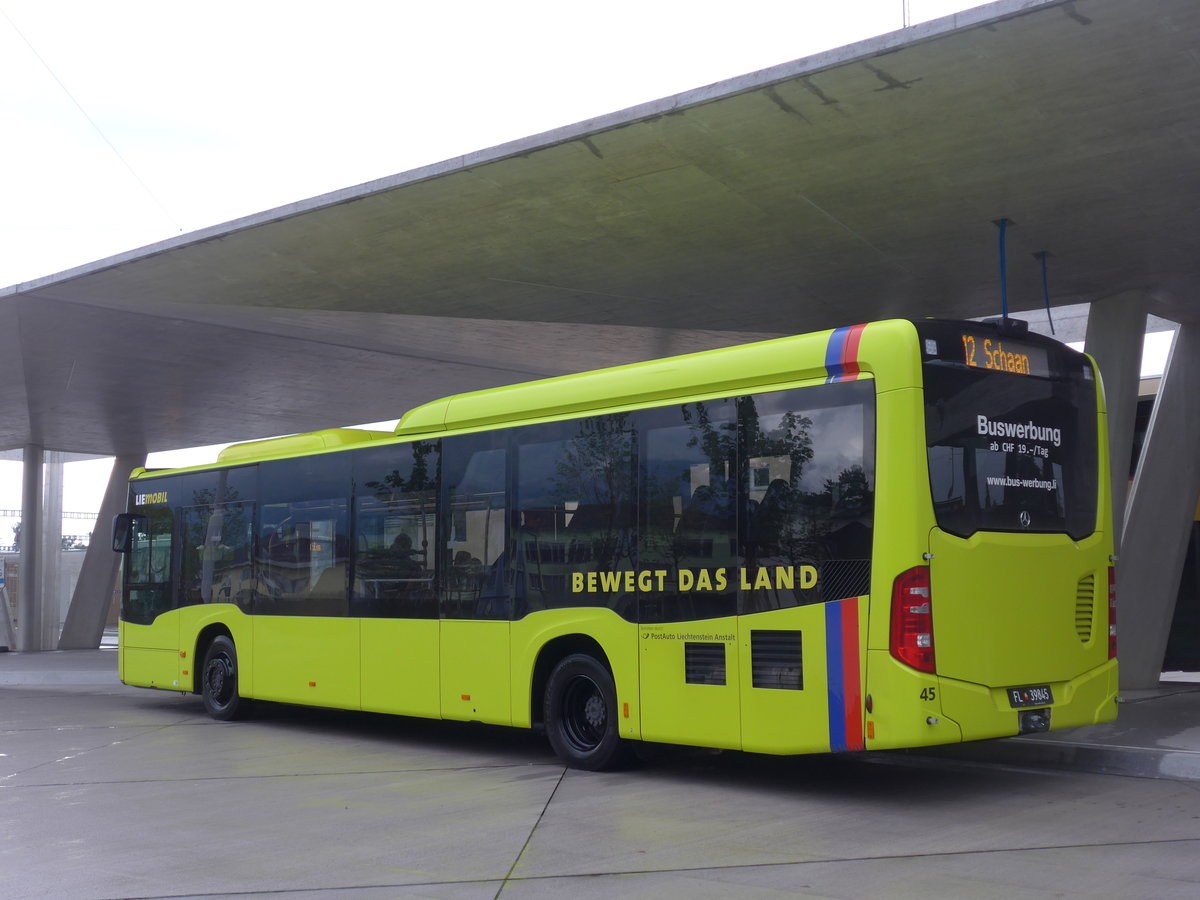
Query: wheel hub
x=593 y=711
x=218 y=673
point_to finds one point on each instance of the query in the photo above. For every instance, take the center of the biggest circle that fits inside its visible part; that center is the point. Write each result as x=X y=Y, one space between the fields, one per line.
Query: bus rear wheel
x=219 y=681
x=581 y=714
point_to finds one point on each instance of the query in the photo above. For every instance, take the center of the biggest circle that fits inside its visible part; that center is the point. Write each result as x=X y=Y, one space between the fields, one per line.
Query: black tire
x=219 y=681
x=581 y=714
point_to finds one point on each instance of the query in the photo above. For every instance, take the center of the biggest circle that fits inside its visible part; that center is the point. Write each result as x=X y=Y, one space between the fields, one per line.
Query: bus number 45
x=930 y=693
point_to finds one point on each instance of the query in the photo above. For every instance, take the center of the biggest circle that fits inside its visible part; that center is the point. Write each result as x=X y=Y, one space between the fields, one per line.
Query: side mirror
x=124 y=526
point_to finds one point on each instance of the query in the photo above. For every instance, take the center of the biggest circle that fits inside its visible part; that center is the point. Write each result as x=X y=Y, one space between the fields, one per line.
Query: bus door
x=306 y=645
x=395 y=597
x=150 y=639
x=687 y=562
x=475 y=603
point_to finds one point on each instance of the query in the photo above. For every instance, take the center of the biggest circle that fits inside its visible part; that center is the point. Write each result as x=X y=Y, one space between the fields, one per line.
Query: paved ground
x=108 y=791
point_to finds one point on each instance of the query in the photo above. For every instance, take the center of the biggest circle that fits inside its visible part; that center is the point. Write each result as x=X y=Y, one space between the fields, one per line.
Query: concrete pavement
x=1156 y=735
x=114 y=792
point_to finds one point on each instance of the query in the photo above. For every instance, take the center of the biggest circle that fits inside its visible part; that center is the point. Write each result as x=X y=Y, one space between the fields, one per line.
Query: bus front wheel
x=581 y=714
x=219 y=680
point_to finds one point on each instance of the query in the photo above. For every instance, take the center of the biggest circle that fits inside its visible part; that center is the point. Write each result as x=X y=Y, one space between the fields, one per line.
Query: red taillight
x=1112 y=613
x=912 y=619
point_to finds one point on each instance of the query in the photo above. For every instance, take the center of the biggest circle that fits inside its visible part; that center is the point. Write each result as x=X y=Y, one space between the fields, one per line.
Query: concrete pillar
x=52 y=552
x=84 y=625
x=8 y=637
x=1115 y=336
x=29 y=604
x=1162 y=503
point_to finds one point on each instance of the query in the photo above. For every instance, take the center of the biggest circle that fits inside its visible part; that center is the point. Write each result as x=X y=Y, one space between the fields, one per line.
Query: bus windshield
x=1011 y=430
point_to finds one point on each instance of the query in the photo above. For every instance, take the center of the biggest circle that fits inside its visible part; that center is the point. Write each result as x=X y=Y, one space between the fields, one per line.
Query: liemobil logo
x=150 y=499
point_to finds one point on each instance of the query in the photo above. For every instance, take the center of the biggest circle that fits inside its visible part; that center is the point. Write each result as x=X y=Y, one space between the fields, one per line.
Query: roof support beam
x=93 y=595
x=1115 y=336
x=1161 y=508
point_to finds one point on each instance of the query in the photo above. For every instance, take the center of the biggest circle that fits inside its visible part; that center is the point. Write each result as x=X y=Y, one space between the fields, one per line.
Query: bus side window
x=217 y=553
x=689 y=533
x=808 y=485
x=395 y=528
x=303 y=549
x=574 y=498
x=476 y=553
x=148 y=565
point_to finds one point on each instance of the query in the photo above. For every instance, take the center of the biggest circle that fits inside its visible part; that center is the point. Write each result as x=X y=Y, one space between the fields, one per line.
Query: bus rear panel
x=1008 y=625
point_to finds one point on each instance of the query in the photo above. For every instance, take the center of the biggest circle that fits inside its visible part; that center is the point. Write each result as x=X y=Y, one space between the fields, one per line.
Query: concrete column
x=84 y=626
x=52 y=552
x=8 y=637
x=29 y=604
x=1162 y=503
x=1116 y=331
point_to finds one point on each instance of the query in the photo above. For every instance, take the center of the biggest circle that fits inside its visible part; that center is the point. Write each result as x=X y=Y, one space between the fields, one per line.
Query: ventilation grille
x=1085 y=605
x=776 y=660
x=704 y=663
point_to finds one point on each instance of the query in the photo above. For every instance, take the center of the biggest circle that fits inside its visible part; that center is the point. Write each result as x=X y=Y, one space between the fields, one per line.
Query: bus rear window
x=1010 y=449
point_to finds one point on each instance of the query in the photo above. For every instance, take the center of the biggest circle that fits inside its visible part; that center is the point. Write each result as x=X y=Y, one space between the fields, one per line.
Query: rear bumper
x=926 y=709
x=985 y=712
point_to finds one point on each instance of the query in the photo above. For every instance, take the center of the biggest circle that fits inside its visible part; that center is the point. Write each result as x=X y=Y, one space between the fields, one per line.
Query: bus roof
x=725 y=370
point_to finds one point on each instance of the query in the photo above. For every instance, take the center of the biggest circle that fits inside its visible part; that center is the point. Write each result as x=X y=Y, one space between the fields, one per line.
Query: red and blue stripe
x=843 y=675
x=841 y=354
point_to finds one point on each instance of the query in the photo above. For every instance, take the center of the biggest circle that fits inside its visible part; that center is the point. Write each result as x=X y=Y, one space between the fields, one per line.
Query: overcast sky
x=126 y=122
x=129 y=122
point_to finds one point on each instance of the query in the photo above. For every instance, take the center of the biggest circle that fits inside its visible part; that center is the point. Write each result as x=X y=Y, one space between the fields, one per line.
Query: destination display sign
x=986 y=351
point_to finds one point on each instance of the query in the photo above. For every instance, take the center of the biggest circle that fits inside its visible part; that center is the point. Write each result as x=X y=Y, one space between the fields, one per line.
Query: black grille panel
x=776 y=660
x=1085 y=598
x=704 y=663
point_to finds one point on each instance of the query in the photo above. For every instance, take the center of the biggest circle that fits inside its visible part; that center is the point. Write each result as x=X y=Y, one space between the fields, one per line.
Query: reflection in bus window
x=148 y=569
x=689 y=529
x=575 y=514
x=217 y=551
x=1010 y=454
x=810 y=498
x=395 y=530
x=475 y=583
x=302 y=552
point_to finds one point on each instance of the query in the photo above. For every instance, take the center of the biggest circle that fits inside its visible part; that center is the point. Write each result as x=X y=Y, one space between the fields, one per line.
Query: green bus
x=887 y=535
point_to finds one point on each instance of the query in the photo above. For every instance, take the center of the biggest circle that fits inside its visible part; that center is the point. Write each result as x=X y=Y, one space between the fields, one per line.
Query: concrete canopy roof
x=853 y=185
